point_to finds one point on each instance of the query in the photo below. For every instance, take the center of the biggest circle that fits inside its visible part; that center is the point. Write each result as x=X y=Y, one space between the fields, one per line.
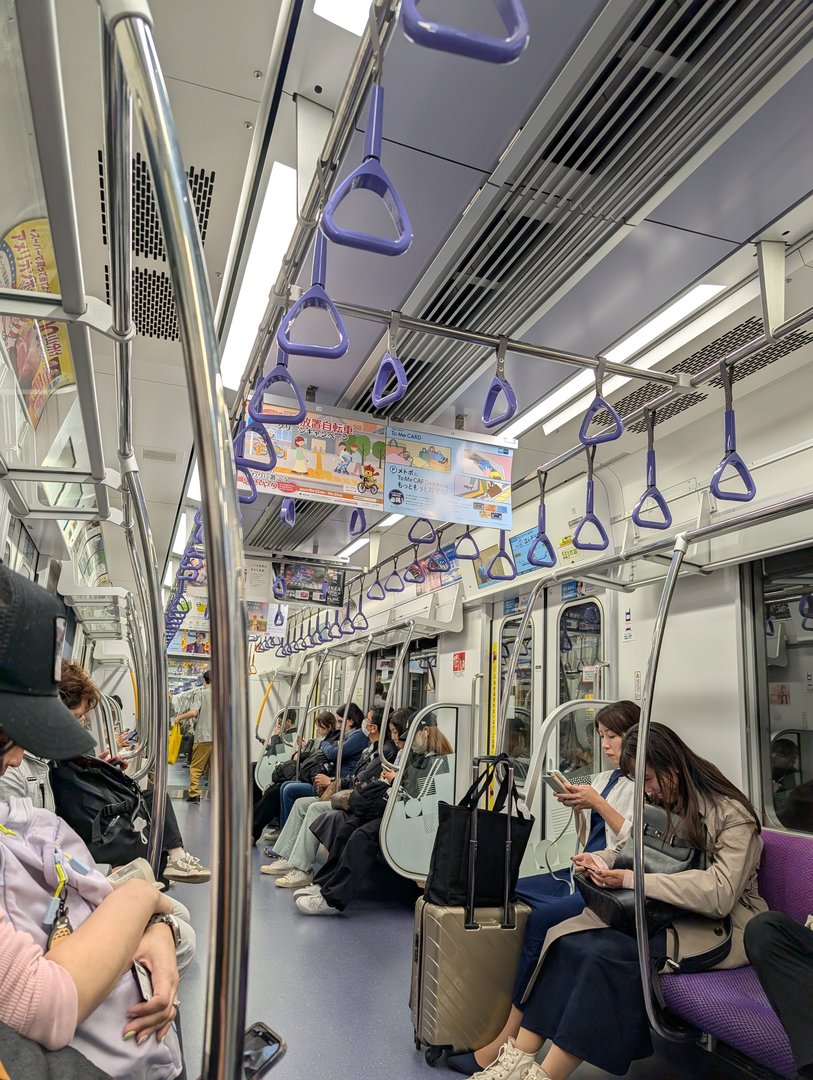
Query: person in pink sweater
x=46 y=994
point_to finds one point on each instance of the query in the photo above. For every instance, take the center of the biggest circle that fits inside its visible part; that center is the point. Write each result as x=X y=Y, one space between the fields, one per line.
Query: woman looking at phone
x=588 y=1000
x=603 y=813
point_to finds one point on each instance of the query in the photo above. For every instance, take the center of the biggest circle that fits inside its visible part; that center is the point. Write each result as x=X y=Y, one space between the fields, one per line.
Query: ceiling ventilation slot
x=712 y=353
x=155 y=453
x=653 y=94
x=153 y=303
x=271 y=534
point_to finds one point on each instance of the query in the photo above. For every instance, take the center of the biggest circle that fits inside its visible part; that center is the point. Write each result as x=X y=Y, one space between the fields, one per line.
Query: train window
x=581 y=647
x=383 y=666
x=786 y=690
x=520 y=694
x=421 y=675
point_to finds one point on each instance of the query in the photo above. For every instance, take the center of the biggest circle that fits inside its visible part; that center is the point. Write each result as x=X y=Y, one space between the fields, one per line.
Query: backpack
x=105 y=807
x=32 y=844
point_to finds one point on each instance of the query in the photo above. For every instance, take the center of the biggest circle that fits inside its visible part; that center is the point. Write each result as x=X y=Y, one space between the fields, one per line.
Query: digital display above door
x=313 y=583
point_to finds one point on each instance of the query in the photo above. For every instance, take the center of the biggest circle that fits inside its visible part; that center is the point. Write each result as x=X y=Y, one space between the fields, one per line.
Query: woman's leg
x=290 y=792
x=284 y=844
x=558 y=1064
x=489 y=1053
x=304 y=852
x=265 y=811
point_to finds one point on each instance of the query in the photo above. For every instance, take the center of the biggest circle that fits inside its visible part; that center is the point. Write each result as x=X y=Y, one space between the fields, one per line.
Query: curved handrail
x=370 y=176
x=476 y=46
x=318 y=298
x=547 y=726
x=230 y=894
x=396 y=673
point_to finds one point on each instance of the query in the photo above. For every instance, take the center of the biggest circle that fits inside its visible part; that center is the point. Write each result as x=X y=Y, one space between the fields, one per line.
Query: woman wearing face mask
x=588 y=998
x=603 y=812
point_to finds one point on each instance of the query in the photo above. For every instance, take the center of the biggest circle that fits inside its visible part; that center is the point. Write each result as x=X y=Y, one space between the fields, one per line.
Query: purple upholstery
x=731 y=1005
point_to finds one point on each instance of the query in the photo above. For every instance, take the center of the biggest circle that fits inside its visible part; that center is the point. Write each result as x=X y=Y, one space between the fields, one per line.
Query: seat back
x=786 y=873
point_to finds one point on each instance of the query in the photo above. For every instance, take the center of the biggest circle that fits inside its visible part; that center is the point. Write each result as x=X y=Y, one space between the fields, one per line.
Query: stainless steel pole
x=354 y=683
x=230 y=895
x=399 y=665
x=502 y=721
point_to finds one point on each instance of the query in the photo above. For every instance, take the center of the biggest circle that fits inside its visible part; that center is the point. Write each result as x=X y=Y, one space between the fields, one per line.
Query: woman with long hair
x=588 y=999
x=603 y=811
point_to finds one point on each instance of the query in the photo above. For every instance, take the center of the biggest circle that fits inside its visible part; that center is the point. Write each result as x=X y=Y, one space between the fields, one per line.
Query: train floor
x=337 y=989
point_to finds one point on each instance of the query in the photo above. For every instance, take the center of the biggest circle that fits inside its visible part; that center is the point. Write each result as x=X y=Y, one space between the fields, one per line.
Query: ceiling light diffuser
x=351 y=15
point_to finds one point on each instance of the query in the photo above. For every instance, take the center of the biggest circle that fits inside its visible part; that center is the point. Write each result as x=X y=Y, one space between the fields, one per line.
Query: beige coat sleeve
x=715 y=891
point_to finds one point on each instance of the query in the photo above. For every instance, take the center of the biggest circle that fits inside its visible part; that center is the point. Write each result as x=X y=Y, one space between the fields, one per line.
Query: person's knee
x=763 y=933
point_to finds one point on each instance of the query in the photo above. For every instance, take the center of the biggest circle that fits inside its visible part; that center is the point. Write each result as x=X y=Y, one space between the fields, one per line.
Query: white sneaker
x=315 y=904
x=188 y=869
x=535 y=1072
x=270 y=835
x=511 y=1064
x=278 y=866
x=294 y=879
x=309 y=890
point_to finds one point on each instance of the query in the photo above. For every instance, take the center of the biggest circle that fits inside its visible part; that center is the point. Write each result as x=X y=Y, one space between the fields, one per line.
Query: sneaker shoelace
x=506 y=1062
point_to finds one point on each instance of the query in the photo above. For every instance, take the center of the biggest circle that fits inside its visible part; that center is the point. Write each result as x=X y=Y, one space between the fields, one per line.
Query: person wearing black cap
x=49 y=990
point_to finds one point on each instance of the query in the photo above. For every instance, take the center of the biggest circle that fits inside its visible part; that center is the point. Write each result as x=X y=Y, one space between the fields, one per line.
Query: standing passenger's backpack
x=105 y=807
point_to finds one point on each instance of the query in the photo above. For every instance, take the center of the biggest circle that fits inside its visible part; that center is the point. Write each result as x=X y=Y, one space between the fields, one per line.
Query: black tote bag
x=447 y=883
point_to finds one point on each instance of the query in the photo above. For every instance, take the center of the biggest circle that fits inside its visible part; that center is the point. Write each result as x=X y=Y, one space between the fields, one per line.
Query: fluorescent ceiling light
x=388 y=522
x=193 y=490
x=181 y=535
x=351 y=15
x=357 y=545
x=628 y=346
x=269 y=243
x=169 y=576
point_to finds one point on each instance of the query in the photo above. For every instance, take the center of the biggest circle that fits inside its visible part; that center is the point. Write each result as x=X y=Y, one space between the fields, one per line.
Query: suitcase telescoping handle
x=507 y=921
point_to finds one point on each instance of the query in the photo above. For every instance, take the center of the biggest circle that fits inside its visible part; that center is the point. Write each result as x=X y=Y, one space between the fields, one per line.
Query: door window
x=581 y=647
x=520 y=694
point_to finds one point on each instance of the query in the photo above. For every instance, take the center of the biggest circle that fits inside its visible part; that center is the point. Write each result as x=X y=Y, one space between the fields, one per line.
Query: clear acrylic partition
x=581 y=648
x=280 y=743
x=520 y=696
x=426 y=776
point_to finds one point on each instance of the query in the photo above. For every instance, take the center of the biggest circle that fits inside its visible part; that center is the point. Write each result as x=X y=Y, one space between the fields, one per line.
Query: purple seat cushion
x=786 y=874
x=732 y=1006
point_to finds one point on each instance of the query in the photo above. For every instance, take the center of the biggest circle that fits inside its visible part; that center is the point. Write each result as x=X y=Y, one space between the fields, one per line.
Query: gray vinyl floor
x=337 y=988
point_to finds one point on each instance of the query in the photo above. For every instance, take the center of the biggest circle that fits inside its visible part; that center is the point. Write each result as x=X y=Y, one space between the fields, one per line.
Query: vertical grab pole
x=502 y=720
x=144 y=719
x=396 y=672
x=353 y=684
x=300 y=728
x=118 y=132
x=681 y=547
x=230 y=894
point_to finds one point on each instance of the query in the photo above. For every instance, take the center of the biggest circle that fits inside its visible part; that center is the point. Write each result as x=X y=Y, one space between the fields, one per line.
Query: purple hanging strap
x=247 y=498
x=414 y=574
x=422 y=538
x=589 y=515
x=248 y=428
x=503 y=555
x=731 y=458
x=287 y=512
x=390 y=368
x=335 y=628
x=360 y=621
x=541 y=552
x=499 y=385
x=376 y=590
x=652 y=491
x=598 y=405
x=472 y=553
x=315 y=297
x=358 y=522
x=493 y=50
x=394 y=583
x=438 y=561
x=277 y=374
x=370 y=176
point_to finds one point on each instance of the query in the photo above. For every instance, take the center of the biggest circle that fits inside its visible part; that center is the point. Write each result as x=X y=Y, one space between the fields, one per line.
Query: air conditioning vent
x=154 y=311
x=271 y=534
x=154 y=453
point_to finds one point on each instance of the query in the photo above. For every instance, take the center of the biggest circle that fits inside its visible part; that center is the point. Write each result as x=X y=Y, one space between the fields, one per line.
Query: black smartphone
x=262 y=1049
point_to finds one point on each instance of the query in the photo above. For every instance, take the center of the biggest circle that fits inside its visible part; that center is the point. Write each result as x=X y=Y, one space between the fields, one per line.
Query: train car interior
x=396 y=385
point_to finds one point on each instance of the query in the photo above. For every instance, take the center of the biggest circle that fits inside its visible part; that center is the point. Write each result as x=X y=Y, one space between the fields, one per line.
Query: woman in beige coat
x=588 y=998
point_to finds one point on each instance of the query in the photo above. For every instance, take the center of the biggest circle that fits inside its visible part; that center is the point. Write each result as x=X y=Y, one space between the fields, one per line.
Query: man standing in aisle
x=202 y=748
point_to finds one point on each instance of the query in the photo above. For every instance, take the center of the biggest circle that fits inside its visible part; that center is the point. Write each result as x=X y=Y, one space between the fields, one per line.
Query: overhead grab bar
x=541 y=551
x=476 y=46
x=278 y=374
x=499 y=385
x=599 y=404
x=590 y=517
x=370 y=176
x=315 y=297
x=731 y=457
x=652 y=491
x=390 y=368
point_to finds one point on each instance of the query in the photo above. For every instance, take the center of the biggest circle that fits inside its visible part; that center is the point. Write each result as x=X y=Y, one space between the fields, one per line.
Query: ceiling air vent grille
x=153 y=303
x=155 y=453
x=271 y=534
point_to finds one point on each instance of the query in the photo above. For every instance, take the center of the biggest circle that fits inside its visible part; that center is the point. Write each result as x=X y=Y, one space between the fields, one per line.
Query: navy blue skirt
x=588 y=999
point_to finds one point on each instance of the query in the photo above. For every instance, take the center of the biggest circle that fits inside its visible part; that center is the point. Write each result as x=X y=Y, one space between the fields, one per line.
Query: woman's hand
x=388 y=775
x=580 y=797
x=156 y=952
x=320 y=782
x=607 y=879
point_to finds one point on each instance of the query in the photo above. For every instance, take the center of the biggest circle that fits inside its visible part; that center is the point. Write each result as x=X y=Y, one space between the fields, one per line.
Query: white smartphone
x=555 y=780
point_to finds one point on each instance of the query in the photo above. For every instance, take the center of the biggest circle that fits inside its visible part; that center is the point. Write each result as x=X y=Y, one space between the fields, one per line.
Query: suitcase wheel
x=433 y=1054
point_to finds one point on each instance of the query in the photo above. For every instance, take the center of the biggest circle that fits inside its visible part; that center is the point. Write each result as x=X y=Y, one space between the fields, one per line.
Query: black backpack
x=105 y=807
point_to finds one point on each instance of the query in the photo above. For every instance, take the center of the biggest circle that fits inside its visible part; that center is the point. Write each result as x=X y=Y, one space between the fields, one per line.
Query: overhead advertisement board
x=332 y=456
x=448 y=476
x=306 y=581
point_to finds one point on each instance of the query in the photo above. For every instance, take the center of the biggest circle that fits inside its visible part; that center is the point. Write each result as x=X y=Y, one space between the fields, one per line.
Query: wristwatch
x=172 y=923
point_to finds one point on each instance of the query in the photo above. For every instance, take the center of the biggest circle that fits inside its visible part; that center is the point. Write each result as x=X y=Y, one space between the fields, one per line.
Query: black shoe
x=193 y=798
x=463 y=1063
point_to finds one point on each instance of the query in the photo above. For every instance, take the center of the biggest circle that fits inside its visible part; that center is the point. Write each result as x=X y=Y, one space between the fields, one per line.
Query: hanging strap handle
x=315 y=297
x=370 y=176
x=247 y=427
x=278 y=374
x=652 y=491
x=287 y=512
x=360 y=621
x=502 y=554
x=438 y=561
x=390 y=368
x=499 y=385
x=598 y=405
x=394 y=582
x=376 y=590
x=347 y=623
x=806 y=605
x=334 y=630
x=470 y=554
x=541 y=551
x=427 y=537
x=589 y=516
x=476 y=46
x=414 y=573
x=358 y=522
x=731 y=459
x=247 y=498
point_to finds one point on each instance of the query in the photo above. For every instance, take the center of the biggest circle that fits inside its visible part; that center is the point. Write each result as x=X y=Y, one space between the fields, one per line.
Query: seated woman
x=311 y=760
x=357 y=855
x=49 y=992
x=609 y=802
x=588 y=999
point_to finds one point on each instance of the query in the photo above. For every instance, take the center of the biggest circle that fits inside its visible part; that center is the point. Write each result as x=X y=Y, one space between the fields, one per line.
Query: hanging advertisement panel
x=38 y=350
x=448 y=476
x=332 y=456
